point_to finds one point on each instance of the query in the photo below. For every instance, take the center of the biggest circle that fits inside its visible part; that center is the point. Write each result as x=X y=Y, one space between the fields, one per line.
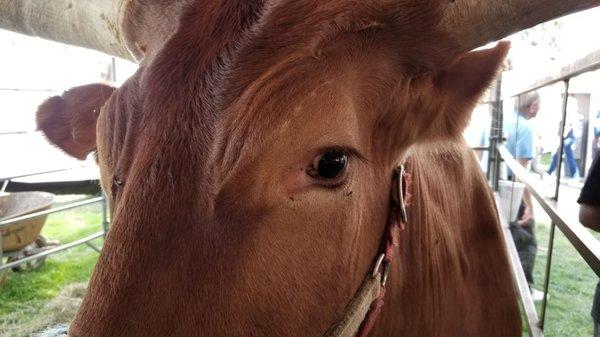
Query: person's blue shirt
x=519 y=140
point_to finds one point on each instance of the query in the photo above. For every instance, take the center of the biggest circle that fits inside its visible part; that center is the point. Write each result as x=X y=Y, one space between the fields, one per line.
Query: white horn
x=98 y=24
x=477 y=22
x=94 y=24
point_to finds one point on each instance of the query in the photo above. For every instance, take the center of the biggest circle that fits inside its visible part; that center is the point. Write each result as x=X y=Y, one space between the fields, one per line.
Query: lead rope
x=396 y=222
x=366 y=304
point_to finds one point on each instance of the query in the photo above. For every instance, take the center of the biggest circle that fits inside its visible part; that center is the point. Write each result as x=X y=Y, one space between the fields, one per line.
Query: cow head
x=248 y=163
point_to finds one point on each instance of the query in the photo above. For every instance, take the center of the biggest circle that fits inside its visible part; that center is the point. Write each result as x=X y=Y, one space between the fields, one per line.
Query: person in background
x=520 y=144
x=589 y=216
x=568 y=142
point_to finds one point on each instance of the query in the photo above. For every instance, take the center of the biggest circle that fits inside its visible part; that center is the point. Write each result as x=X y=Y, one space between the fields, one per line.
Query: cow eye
x=330 y=165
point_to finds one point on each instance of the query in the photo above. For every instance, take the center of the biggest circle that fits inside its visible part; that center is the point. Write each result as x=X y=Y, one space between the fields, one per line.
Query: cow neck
x=361 y=312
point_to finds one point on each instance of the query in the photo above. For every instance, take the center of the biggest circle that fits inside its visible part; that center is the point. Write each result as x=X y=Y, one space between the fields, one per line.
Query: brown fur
x=217 y=230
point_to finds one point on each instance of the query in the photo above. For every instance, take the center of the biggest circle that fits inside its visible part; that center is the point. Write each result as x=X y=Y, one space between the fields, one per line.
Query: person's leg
x=526 y=244
x=571 y=161
x=528 y=253
x=526 y=264
x=553 y=163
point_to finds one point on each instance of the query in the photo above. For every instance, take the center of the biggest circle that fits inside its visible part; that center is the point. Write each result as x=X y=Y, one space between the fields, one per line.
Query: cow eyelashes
x=329 y=168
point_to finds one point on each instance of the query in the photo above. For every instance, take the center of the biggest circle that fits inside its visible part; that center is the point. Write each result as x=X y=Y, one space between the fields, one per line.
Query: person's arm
x=589 y=216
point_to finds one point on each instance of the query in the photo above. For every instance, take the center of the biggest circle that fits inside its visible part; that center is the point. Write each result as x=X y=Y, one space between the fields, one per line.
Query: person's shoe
x=537 y=295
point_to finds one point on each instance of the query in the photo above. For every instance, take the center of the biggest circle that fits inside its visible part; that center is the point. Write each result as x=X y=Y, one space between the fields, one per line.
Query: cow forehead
x=325 y=116
x=300 y=102
x=301 y=109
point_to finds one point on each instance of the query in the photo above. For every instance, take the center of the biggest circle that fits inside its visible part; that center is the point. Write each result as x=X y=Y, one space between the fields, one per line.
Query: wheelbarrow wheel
x=16 y=258
x=37 y=246
x=40 y=245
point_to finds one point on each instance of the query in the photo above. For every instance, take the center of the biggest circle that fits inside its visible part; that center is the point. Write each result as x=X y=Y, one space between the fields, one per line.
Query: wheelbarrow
x=22 y=238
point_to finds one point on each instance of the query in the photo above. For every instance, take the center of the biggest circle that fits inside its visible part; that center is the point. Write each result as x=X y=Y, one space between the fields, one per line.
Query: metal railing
x=579 y=237
x=6 y=180
x=70 y=205
x=519 y=277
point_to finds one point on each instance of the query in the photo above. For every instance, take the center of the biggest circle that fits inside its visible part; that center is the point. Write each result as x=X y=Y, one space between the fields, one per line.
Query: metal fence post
x=547 y=275
x=3 y=273
x=561 y=133
x=494 y=158
x=104 y=215
x=1 y=249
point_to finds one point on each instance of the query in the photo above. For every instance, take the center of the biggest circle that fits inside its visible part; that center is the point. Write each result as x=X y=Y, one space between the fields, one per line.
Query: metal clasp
x=398 y=192
x=379 y=263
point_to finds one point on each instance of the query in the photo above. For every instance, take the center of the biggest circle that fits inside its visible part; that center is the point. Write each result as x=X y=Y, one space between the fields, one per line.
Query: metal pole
x=11 y=221
x=52 y=251
x=547 y=276
x=113 y=71
x=4 y=185
x=1 y=250
x=496 y=139
x=561 y=134
x=43 y=172
x=3 y=274
x=495 y=106
x=13 y=133
x=104 y=215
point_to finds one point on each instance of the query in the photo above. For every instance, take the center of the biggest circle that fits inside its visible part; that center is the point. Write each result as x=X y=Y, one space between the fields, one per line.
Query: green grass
x=572 y=285
x=26 y=295
x=546 y=159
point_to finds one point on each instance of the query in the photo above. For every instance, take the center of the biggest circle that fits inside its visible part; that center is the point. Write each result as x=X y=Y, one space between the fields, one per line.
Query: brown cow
x=248 y=166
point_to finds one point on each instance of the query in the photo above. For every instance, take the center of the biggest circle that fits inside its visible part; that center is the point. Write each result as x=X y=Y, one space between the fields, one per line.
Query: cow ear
x=69 y=120
x=461 y=84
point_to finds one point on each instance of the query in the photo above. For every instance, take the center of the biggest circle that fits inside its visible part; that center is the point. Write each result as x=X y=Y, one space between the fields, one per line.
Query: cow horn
x=477 y=22
x=92 y=24
x=97 y=24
